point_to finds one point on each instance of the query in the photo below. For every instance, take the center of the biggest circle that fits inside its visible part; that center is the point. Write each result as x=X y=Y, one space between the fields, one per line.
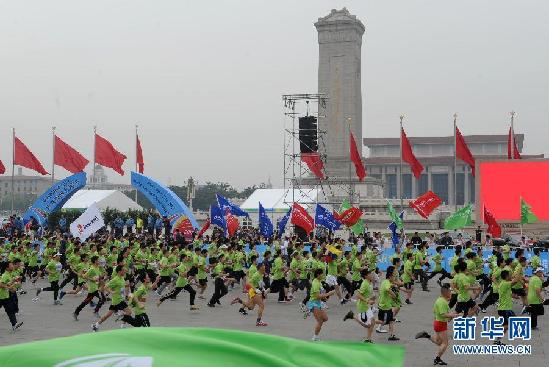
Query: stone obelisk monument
x=339 y=78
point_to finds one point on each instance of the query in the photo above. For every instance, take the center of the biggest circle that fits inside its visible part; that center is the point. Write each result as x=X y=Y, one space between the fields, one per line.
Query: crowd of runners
x=116 y=274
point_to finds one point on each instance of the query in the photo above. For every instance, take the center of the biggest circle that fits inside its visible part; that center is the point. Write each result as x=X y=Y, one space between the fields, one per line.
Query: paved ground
x=44 y=321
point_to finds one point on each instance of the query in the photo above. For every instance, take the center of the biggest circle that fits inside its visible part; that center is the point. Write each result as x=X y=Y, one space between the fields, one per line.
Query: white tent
x=113 y=199
x=276 y=200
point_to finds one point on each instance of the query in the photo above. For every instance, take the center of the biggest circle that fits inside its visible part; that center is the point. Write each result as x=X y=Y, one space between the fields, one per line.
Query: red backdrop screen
x=503 y=183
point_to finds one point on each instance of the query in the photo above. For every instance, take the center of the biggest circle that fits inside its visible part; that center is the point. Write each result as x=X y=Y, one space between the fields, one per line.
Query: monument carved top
x=339 y=16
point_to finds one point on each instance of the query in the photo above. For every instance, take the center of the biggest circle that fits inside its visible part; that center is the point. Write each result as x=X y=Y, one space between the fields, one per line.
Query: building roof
x=113 y=199
x=441 y=160
x=447 y=140
x=274 y=199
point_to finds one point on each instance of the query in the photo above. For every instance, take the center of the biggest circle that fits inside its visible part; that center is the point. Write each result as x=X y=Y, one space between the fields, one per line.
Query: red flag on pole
x=301 y=218
x=139 y=155
x=313 y=161
x=106 y=155
x=67 y=157
x=409 y=157
x=515 y=152
x=355 y=158
x=232 y=223
x=204 y=228
x=426 y=204
x=2 y=168
x=349 y=217
x=24 y=157
x=463 y=152
x=493 y=227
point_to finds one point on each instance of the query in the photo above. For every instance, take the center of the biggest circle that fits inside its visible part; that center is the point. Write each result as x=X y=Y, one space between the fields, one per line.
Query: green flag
x=197 y=347
x=526 y=214
x=459 y=219
x=393 y=215
x=358 y=228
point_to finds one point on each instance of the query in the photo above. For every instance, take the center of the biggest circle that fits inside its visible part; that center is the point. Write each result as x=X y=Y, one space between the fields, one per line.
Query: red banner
x=24 y=157
x=204 y=228
x=408 y=155
x=2 y=168
x=139 y=155
x=515 y=152
x=301 y=218
x=106 y=155
x=67 y=157
x=426 y=203
x=463 y=152
x=494 y=229
x=313 y=161
x=349 y=217
x=355 y=158
x=232 y=223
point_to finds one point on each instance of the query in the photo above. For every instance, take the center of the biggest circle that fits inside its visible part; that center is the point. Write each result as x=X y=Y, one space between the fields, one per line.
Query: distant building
x=24 y=185
x=436 y=154
x=100 y=181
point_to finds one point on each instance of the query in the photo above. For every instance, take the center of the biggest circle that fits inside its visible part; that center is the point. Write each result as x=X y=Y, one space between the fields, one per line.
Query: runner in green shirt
x=255 y=289
x=138 y=301
x=182 y=283
x=53 y=269
x=366 y=299
x=535 y=299
x=8 y=283
x=116 y=287
x=442 y=315
x=315 y=302
x=387 y=294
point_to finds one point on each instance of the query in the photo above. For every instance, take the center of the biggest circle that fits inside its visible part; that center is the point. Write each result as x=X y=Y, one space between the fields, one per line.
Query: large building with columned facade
x=436 y=154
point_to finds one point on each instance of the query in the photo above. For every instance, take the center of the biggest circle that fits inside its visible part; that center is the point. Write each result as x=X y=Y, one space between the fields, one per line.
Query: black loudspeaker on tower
x=308 y=136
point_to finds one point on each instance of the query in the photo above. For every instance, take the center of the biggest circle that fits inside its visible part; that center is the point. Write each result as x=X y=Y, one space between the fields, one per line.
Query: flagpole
x=455 y=161
x=53 y=156
x=12 y=169
x=136 y=165
x=349 y=119
x=400 y=175
x=94 y=152
x=513 y=138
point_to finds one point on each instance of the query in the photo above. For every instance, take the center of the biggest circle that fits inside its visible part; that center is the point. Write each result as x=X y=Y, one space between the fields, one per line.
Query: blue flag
x=325 y=218
x=283 y=221
x=225 y=204
x=393 y=227
x=265 y=224
x=217 y=217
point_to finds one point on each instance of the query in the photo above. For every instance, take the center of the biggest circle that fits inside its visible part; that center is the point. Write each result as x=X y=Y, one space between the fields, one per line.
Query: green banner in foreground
x=196 y=347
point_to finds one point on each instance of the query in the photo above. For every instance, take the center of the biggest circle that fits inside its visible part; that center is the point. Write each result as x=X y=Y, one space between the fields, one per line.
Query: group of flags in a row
x=64 y=155
x=225 y=213
x=462 y=151
x=462 y=218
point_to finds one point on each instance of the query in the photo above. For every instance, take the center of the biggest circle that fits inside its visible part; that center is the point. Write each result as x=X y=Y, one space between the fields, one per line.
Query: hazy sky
x=204 y=79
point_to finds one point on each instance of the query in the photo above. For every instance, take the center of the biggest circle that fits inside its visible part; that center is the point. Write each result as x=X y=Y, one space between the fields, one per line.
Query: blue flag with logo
x=265 y=225
x=225 y=204
x=217 y=217
x=325 y=218
x=283 y=221
x=394 y=229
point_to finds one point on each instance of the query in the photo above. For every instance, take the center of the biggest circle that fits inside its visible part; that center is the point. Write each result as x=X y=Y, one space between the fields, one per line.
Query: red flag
x=355 y=158
x=67 y=157
x=426 y=203
x=2 y=168
x=232 y=223
x=314 y=163
x=24 y=157
x=106 y=155
x=301 y=218
x=463 y=152
x=139 y=155
x=408 y=155
x=493 y=227
x=349 y=217
x=516 y=153
x=204 y=227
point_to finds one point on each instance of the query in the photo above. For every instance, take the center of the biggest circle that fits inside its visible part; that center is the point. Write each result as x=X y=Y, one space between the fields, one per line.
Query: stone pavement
x=43 y=320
